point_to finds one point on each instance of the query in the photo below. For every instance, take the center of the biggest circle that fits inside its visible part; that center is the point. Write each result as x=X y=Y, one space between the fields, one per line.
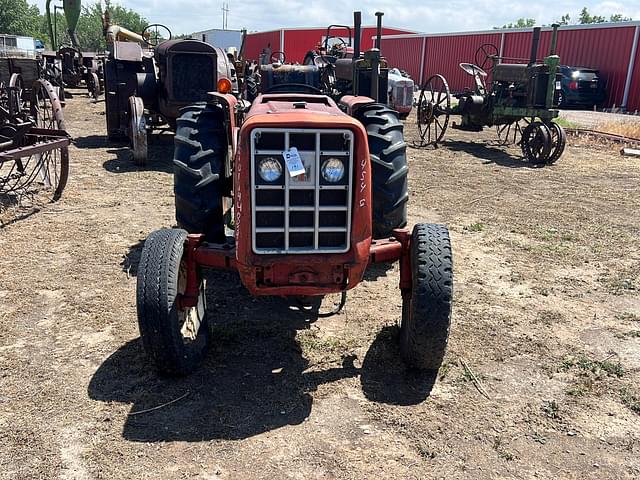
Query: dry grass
x=629 y=129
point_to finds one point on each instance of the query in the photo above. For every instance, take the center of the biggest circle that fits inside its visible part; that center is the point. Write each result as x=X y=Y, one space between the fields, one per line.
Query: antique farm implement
x=34 y=158
x=516 y=94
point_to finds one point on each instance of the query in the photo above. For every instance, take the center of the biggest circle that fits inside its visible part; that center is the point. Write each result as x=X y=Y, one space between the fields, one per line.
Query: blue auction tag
x=294 y=162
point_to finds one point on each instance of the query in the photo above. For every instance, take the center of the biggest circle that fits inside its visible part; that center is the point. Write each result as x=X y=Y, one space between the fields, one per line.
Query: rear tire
x=426 y=316
x=251 y=88
x=388 y=152
x=199 y=159
x=160 y=318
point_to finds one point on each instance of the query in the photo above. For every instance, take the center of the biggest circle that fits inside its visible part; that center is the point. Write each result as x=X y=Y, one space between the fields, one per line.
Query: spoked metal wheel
x=50 y=168
x=558 y=142
x=536 y=143
x=138 y=130
x=434 y=108
x=509 y=133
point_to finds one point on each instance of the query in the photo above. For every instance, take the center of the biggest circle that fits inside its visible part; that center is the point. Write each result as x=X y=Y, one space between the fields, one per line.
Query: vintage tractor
x=315 y=192
x=149 y=79
x=69 y=66
x=401 y=88
x=335 y=70
x=518 y=92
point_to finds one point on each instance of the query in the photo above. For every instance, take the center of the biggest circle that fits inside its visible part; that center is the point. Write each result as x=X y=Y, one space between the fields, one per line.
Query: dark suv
x=580 y=86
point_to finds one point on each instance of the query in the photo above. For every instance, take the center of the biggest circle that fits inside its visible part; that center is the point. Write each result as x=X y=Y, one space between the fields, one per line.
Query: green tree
x=586 y=17
x=619 y=18
x=90 y=26
x=520 y=23
x=17 y=17
x=564 y=20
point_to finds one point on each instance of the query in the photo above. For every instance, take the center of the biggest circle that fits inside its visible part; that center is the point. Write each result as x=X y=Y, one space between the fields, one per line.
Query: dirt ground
x=546 y=317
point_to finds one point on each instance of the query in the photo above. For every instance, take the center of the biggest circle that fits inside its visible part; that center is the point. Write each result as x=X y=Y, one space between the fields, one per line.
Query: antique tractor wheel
x=138 y=130
x=176 y=338
x=536 y=143
x=18 y=100
x=51 y=167
x=389 y=169
x=93 y=85
x=426 y=315
x=199 y=158
x=558 y=142
x=434 y=108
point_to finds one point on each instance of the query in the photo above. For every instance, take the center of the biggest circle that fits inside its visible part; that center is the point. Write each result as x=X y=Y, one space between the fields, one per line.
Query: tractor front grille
x=306 y=213
x=403 y=95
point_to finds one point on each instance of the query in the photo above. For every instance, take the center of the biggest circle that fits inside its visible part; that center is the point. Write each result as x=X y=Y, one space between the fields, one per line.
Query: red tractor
x=315 y=191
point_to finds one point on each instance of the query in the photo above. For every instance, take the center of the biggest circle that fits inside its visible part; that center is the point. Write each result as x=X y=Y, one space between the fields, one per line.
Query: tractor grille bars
x=305 y=213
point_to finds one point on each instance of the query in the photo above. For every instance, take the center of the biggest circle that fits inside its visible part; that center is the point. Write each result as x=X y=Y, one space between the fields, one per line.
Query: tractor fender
x=228 y=103
x=350 y=104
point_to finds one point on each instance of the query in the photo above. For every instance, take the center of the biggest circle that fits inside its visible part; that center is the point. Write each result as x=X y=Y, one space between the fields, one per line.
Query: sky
x=188 y=16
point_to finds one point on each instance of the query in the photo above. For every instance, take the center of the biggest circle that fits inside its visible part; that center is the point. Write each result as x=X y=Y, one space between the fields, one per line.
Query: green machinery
x=517 y=93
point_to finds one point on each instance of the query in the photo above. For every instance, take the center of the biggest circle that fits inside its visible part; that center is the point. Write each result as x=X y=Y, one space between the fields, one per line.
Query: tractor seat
x=472 y=69
x=511 y=72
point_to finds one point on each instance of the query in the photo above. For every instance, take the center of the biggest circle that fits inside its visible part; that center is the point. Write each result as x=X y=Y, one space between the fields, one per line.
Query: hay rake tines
x=34 y=157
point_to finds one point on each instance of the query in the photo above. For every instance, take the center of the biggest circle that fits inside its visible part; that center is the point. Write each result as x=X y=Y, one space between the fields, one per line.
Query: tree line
x=18 y=17
x=584 y=18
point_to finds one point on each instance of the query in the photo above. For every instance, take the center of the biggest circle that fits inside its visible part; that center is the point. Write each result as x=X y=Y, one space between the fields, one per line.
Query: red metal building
x=612 y=48
x=296 y=42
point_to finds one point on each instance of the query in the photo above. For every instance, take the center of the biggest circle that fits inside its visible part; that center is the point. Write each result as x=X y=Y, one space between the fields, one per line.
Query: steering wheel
x=278 y=57
x=152 y=36
x=291 y=86
x=472 y=69
x=485 y=54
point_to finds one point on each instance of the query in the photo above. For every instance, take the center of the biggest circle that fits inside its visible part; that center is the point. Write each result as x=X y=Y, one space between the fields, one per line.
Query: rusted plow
x=34 y=157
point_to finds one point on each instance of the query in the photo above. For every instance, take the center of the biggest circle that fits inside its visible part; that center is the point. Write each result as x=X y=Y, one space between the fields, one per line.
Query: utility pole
x=225 y=15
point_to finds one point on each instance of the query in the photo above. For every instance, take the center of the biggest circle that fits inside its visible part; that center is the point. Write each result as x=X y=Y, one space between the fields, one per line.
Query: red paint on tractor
x=305 y=274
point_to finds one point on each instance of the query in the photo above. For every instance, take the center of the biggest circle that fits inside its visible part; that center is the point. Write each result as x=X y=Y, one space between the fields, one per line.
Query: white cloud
x=186 y=16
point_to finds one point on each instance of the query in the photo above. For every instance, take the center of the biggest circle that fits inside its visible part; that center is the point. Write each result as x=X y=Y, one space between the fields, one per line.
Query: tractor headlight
x=269 y=169
x=332 y=170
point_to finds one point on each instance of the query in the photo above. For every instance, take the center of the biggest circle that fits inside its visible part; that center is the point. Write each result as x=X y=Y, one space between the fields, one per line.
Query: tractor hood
x=297 y=104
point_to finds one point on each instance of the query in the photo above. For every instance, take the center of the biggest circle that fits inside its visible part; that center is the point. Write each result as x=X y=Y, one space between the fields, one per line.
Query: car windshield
x=585 y=75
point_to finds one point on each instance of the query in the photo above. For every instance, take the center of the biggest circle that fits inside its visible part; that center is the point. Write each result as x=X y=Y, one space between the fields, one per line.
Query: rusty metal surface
x=42 y=147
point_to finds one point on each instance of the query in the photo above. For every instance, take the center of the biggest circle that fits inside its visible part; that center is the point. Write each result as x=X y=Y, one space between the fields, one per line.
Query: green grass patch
x=627 y=317
x=588 y=365
x=630 y=400
x=563 y=122
x=474 y=227
x=311 y=342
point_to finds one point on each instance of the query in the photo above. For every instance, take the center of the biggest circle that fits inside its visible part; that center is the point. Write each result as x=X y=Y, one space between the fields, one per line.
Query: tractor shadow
x=254 y=380
x=160 y=153
x=131 y=259
x=489 y=154
x=377 y=270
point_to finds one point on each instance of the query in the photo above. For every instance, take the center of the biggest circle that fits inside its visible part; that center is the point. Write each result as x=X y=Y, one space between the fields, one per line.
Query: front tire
x=389 y=170
x=175 y=339
x=426 y=315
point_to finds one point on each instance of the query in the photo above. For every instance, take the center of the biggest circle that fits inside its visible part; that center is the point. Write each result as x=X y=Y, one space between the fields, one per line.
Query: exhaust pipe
x=554 y=39
x=534 y=46
x=357 y=28
x=379 y=29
